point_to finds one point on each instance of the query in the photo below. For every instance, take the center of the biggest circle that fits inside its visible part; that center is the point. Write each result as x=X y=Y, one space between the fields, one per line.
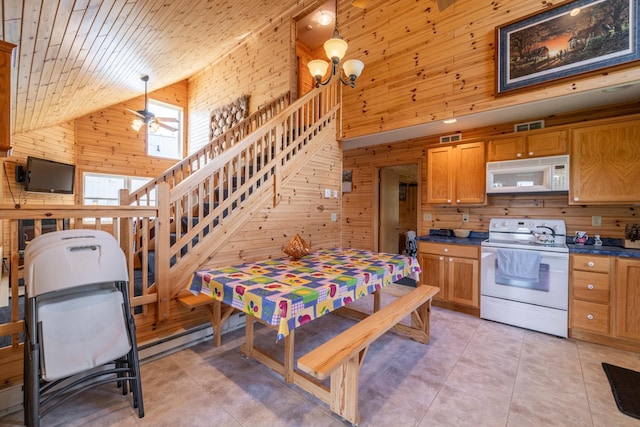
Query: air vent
x=451 y=138
x=523 y=127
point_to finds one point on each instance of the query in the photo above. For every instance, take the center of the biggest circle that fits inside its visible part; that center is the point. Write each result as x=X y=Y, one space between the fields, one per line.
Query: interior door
x=389 y=211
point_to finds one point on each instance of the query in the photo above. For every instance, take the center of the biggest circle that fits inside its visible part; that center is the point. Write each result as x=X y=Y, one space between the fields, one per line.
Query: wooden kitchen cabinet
x=6 y=51
x=590 y=294
x=455 y=270
x=456 y=174
x=605 y=163
x=538 y=144
x=628 y=298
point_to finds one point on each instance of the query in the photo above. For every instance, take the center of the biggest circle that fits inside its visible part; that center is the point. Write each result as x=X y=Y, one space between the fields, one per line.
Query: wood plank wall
x=263 y=67
x=422 y=64
x=359 y=206
x=53 y=143
x=303 y=210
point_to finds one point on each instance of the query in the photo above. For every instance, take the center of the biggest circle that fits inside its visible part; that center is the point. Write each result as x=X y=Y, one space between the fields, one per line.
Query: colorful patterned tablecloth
x=286 y=293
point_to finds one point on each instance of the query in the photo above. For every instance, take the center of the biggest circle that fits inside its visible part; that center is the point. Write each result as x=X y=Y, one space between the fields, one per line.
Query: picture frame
x=402 y=192
x=578 y=37
x=347 y=179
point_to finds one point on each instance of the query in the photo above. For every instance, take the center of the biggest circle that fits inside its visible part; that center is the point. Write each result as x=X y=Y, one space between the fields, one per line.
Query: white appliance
x=525 y=278
x=528 y=175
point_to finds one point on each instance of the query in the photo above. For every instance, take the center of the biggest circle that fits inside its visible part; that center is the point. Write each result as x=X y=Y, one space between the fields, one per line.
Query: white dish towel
x=519 y=264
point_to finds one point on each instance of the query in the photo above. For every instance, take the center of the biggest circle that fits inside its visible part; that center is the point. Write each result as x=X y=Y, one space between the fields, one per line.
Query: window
x=102 y=189
x=165 y=143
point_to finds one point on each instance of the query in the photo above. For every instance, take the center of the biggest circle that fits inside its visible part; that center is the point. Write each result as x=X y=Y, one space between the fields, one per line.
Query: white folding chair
x=79 y=331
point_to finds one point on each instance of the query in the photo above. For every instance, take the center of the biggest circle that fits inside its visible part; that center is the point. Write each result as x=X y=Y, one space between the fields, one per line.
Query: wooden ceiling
x=78 y=56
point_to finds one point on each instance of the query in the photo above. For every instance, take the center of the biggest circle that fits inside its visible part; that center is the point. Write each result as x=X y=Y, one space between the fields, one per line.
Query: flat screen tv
x=46 y=176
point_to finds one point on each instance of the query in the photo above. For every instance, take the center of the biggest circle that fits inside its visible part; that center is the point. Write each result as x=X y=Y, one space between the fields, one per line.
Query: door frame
x=375 y=197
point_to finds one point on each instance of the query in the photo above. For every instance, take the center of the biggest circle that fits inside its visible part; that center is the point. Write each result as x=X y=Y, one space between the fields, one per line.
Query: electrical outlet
x=465 y=217
x=596 y=221
x=335 y=194
x=427 y=217
x=334 y=217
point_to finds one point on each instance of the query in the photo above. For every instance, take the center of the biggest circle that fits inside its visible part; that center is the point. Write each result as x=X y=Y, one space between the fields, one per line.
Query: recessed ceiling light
x=325 y=18
x=575 y=11
x=449 y=121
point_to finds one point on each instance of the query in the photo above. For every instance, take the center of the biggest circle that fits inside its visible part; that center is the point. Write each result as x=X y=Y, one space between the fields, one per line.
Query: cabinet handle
x=441 y=258
x=590 y=264
x=518 y=154
x=590 y=316
x=446 y=249
x=458 y=201
x=450 y=259
x=590 y=286
x=448 y=200
x=576 y=199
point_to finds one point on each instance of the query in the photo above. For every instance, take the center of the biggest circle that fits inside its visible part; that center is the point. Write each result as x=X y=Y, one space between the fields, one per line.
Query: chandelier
x=335 y=48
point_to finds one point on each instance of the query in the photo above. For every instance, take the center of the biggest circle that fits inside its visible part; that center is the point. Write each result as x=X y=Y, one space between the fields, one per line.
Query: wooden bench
x=217 y=314
x=341 y=357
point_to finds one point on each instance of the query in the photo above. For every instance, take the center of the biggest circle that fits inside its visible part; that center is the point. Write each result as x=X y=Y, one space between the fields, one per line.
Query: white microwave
x=543 y=174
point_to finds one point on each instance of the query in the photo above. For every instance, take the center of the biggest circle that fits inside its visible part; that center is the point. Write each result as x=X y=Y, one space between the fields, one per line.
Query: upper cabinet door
x=506 y=149
x=470 y=181
x=605 y=164
x=547 y=143
x=440 y=175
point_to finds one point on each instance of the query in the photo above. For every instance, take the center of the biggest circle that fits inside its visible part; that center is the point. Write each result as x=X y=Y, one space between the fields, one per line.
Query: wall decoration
x=576 y=37
x=346 y=181
x=226 y=117
x=403 y=192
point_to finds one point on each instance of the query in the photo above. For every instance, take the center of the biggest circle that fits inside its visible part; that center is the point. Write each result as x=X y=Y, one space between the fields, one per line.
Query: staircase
x=206 y=198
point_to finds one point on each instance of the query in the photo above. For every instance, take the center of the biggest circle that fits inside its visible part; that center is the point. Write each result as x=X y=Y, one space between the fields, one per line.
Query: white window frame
x=129 y=183
x=164 y=143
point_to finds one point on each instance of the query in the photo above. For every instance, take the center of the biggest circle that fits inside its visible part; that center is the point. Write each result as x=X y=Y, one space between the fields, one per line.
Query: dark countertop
x=476 y=238
x=604 y=250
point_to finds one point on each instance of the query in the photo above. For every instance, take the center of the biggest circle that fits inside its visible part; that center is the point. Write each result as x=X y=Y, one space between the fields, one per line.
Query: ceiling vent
x=451 y=138
x=523 y=127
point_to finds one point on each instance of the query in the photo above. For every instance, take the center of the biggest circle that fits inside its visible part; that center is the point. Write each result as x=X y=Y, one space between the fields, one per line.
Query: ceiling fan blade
x=168 y=119
x=137 y=113
x=360 y=3
x=443 y=4
x=167 y=127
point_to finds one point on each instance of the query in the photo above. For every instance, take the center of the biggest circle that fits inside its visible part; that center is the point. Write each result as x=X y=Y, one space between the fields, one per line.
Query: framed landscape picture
x=576 y=37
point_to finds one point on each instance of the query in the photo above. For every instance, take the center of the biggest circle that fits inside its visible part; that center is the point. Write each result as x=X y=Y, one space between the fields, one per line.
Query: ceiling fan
x=146 y=117
x=442 y=4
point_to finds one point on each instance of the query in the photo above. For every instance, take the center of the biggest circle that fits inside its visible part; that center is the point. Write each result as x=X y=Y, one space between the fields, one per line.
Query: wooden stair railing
x=233 y=186
x=204 y=155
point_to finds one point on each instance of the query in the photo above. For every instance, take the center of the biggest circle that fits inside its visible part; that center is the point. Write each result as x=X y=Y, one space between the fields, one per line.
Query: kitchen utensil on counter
x=580 y=238
x=461 y=233
x=597 y=240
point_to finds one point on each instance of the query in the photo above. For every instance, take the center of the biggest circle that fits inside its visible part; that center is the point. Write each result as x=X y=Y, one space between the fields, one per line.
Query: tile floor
x=473 y=373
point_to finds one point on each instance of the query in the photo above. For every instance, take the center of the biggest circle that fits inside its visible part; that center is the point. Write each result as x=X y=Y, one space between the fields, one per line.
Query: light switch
x=427 y=217
x=334 y=217
x=327 y=193
x=335 y=194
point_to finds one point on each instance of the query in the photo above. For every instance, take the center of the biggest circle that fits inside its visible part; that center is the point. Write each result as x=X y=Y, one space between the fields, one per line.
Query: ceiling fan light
x=353 y=68
x=137 y=124
x=335 y=47
x=318 y=68
x=154 y=126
